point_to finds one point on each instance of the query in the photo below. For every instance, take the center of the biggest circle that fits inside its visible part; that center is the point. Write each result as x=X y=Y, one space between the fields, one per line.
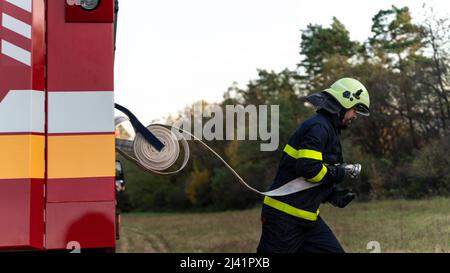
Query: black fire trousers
x=281 y=236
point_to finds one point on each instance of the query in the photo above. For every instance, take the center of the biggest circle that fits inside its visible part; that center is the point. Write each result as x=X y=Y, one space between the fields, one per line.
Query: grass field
x=399 y=226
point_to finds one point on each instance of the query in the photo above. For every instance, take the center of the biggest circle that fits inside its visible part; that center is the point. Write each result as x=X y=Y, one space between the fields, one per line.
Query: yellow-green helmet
x=351 y=93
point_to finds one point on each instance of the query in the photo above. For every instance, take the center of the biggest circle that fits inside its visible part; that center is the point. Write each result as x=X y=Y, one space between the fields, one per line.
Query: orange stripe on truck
x=72 y=156
x=22 y=156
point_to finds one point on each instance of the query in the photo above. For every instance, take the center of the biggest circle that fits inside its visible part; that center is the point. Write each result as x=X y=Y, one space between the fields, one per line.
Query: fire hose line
x=156 y=162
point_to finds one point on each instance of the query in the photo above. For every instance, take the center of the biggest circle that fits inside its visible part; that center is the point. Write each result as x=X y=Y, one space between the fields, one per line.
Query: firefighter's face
x=350 y=115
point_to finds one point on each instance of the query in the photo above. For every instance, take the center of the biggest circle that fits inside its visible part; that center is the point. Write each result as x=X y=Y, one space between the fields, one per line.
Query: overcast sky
x=172 y=53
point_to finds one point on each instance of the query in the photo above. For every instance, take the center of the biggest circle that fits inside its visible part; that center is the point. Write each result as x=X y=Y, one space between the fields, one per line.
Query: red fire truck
x=57 y=141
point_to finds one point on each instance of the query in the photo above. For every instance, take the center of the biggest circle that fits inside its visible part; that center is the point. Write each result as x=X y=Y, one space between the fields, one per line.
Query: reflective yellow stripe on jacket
x=320 y=175
x=311 y=216
x=311 y=154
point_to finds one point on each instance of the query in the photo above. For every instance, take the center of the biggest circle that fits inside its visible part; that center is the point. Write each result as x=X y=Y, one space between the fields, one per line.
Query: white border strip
x=23 y=111
x=17 y=53
x=16 y=25
x=23 y=4
x=80 y=112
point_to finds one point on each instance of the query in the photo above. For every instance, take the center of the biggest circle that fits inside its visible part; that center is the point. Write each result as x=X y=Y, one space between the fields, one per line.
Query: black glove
x=341 y=197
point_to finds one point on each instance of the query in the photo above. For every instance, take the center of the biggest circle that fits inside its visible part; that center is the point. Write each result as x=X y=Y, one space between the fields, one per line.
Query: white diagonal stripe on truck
x=17 y=53
x=23 y=4
x=16 y=25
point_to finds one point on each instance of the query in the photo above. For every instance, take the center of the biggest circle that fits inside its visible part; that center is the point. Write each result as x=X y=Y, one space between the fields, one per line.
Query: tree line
x=403 y=146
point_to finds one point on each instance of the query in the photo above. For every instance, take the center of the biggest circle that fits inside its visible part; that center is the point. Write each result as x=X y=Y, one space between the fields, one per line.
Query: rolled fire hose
x=147 y=157
x=153 y=161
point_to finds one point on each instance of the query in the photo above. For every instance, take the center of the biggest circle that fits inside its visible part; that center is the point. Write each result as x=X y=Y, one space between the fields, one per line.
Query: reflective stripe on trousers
x=271 y=202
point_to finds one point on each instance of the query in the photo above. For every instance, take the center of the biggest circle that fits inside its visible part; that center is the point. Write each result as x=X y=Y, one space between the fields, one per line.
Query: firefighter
x=292 y=224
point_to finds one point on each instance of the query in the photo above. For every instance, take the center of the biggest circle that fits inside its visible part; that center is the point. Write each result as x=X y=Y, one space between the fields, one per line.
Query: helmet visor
x=363 y=110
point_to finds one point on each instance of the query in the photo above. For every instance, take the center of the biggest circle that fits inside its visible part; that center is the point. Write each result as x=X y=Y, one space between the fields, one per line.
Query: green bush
x=430 y=166
x=424 y=174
